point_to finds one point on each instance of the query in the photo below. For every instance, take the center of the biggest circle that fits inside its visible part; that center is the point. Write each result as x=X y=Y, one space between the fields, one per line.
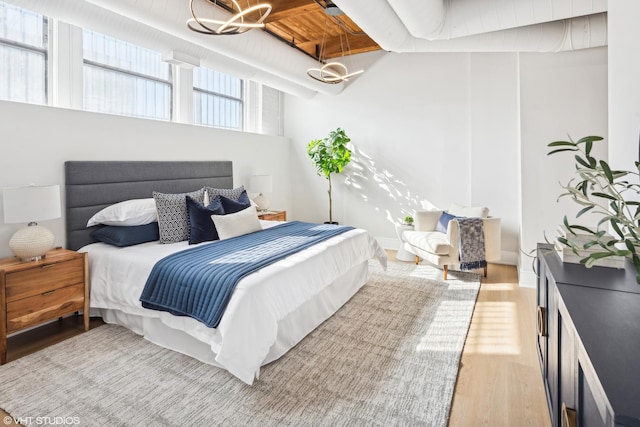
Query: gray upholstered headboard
x=94 y=185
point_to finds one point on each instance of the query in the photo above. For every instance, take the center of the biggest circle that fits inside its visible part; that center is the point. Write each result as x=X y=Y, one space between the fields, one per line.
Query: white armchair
x=442 y=249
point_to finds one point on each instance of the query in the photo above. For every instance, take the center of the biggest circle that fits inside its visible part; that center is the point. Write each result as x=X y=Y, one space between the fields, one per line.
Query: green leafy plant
x=330 y=155
x=408 y=220
x=607 y=193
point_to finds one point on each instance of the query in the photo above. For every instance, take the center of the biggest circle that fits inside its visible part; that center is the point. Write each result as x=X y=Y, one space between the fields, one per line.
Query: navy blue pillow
x=232 y=206
x=122 y=236
x=201 y=227
x=443 y=221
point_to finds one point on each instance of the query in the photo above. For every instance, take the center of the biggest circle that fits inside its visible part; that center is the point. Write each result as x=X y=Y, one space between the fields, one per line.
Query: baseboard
x=527 y=278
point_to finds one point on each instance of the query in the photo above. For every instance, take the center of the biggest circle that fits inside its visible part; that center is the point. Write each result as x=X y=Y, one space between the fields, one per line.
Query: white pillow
x=426 y=220
x=468 y=211
x=236 y=224
x=127 y=213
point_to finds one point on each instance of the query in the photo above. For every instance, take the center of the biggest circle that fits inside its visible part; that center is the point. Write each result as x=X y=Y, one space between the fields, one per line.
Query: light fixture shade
x=239 y=22
x=333 y=72
x=33 y=203
x=332 y=10
x=27 y=205
x=261 y=184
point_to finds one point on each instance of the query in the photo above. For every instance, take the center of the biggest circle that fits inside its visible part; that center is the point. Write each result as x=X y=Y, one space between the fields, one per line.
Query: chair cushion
x=426 y=220
x=468 y=211
x=429 y=241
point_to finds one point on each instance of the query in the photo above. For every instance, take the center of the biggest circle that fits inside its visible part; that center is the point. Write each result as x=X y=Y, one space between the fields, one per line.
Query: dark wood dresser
x=588 y=342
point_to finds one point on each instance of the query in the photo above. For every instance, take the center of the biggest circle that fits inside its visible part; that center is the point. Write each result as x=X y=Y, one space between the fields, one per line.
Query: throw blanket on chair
x=471 y=243
x=199 y=282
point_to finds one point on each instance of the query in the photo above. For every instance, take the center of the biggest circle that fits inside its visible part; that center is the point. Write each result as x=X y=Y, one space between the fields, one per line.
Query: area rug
x=388 y=357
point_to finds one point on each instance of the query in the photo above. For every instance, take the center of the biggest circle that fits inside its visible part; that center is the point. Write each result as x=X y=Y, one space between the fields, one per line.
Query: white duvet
x=249 y=326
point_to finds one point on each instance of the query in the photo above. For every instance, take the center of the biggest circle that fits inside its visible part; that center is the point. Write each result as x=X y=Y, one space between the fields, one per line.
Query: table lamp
x=28 y=205
x=261 y=184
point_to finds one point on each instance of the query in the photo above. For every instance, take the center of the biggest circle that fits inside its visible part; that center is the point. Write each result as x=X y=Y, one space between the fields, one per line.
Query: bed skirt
x=291 y=329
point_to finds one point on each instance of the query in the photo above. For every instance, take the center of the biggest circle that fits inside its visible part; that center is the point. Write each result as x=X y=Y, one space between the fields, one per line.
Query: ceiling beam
x=303 y=24
x=333 y=48
x=285 y=9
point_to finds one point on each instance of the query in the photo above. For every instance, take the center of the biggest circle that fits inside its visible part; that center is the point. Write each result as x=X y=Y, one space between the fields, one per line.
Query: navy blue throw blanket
x=199 y=282
x=471 y=243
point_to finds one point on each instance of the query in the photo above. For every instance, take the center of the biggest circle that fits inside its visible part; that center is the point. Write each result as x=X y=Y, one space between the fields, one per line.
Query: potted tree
x=330 y=155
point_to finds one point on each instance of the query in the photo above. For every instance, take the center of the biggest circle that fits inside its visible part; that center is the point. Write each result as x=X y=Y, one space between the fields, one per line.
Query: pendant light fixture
x=332 y=71
x=240 y=22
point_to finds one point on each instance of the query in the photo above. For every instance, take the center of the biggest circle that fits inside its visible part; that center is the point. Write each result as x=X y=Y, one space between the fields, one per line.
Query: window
x=122 y=78
x=23 y=55
x=217 y=99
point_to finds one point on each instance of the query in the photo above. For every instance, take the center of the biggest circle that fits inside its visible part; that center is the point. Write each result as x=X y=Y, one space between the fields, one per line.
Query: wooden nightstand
x=273 y=215
x=35 y=292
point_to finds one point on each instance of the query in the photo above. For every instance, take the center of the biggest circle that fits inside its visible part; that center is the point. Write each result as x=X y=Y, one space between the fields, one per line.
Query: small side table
x=34 y=292
x=402 y=254
x=272 y=215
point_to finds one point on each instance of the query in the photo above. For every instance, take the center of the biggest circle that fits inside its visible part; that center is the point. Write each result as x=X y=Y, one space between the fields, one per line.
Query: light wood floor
x=499 y=383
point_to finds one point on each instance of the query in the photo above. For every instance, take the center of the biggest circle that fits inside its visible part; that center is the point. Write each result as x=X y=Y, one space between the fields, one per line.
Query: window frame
x=40 y=50
x=98 y=65
x=240 y=99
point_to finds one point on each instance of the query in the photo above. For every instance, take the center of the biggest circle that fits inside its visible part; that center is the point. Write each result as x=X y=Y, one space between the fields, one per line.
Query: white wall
x=624 y=83
x=428 y=130
x=494 y=142
x=37 y=140
x=432 y=129
x=563 y=93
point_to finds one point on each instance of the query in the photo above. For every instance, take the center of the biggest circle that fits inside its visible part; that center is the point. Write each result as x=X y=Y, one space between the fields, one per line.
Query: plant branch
x=601 y=191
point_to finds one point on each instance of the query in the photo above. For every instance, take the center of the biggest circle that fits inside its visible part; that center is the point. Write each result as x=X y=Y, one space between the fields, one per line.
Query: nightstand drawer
x=35 y=292
x=47 y=277
x=46 y=306
x=273 y=216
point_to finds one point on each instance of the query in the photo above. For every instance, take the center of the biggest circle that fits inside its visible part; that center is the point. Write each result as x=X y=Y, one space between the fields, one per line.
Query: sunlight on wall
x=381 y=187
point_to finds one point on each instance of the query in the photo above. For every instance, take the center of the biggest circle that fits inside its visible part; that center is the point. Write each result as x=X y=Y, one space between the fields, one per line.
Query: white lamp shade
x=33 y=203
x=260 y=184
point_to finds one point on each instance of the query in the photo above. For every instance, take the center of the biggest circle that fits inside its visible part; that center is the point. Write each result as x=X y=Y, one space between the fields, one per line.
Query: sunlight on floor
x=426 y=272
x=494 y=330
x=498 y=287
x=448 y=322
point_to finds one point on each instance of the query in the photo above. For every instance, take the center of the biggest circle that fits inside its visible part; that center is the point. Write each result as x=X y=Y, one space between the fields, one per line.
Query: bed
x=270 y=310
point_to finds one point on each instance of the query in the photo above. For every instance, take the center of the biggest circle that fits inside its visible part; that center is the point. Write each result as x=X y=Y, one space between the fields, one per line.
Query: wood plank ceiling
x=303 y=24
